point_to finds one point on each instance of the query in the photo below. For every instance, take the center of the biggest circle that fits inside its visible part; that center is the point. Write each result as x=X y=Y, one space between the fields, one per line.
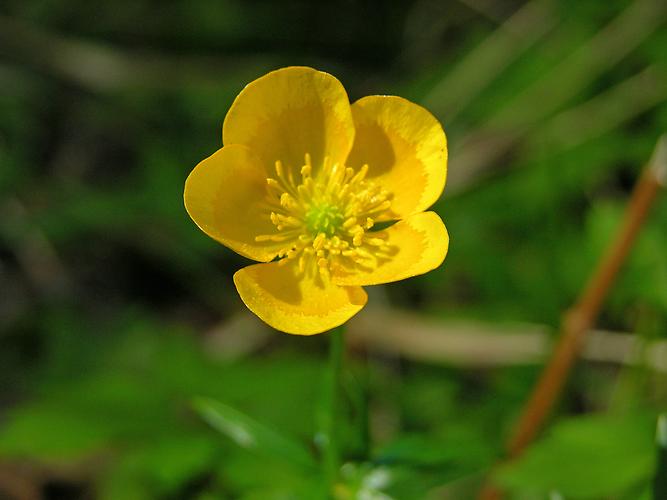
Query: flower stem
x=660 y=479
x=329 y=410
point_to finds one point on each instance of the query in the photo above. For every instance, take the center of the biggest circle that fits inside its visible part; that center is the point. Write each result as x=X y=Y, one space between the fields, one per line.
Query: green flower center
x=324 y=218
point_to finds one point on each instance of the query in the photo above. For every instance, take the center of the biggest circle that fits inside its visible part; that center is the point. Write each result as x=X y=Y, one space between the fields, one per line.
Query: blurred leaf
x=586 y=457
x=175 y=459
x=660 y=481
x=162 y=467
x=420 y=450
x=250 y=434
x=51 y=432
x=249 y=475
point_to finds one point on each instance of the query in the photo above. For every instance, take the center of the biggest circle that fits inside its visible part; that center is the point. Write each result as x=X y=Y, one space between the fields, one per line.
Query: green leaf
x=51 y=433
x=250 y=434
x=415 y=449
x=159 y=468
x=586 y=457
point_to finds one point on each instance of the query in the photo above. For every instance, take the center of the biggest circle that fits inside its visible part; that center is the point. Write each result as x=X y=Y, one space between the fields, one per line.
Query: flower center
x=324 y=220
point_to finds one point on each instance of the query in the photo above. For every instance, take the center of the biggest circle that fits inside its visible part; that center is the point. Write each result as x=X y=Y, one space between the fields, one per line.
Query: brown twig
x=579 y=319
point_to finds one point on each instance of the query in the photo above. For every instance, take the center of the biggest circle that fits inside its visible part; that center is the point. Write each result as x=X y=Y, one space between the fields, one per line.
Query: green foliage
x=111 y=301
x=660 y=479
x=134 y=404
x=252 y=435
x=587 y=458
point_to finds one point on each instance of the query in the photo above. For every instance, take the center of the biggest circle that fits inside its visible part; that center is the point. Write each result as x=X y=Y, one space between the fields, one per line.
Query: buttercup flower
x=300 y=184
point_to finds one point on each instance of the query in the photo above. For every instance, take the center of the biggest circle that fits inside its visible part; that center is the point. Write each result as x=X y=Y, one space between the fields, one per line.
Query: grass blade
x=250 y=434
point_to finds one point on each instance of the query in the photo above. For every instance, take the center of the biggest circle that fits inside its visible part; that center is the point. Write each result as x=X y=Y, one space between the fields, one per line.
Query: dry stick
x=581 y=317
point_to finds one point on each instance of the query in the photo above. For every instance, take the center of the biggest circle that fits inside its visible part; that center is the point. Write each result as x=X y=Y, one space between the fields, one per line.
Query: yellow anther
x=319 y=241
x=349 y=222
x=290 y=221
x=360 y=175
x=380 y=208
x=303 y=191
x=306 y=170
x=280 y=172
x=287 y=201
x=362 y=252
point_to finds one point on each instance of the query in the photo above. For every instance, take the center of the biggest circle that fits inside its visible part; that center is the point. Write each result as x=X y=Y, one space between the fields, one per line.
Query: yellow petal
x=290 y=112
x=417 y=245
x=295 y=304
x=405 y=149
x=225 y=194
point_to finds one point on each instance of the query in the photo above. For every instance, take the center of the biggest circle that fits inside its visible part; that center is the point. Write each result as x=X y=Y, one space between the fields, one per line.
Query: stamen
x=279 y=170
x=349 y=222
x=319 y=241
x=306 y=170
x=323 y=220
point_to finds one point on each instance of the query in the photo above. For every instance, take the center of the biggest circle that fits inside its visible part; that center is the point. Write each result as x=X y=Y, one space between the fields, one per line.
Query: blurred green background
x=116 y=311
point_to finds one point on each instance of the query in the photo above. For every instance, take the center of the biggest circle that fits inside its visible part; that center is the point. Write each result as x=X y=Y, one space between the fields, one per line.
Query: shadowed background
x=115 y=310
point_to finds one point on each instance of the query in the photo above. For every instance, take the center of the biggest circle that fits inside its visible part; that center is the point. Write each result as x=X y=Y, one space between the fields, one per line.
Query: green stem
x=358 y=394
x=329 y=411
x=660 y=479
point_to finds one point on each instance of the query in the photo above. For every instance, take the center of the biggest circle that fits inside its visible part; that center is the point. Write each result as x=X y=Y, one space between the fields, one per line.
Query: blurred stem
x=364 y=417
x=660 y=480
x=356 y=391
x=329 y=410
x=582 y=316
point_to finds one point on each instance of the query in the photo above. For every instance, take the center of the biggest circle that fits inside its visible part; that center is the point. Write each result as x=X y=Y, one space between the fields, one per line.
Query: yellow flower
x=301 y=181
